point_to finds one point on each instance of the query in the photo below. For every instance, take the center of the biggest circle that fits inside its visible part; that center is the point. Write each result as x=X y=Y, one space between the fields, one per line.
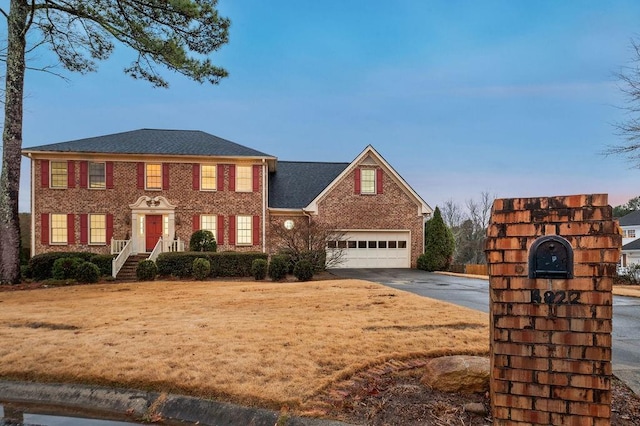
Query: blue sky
x=517 y=98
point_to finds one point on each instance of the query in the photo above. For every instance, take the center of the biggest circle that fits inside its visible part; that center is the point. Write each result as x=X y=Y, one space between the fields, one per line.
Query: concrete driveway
x=474 y=293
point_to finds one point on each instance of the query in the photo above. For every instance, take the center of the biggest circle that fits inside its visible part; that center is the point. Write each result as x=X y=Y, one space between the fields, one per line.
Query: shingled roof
x=295 y=184
x=155 y=141
x=633 y=245
x=630 y=219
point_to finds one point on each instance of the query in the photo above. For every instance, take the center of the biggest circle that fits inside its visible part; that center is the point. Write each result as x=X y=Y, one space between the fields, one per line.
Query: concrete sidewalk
x=144 y=406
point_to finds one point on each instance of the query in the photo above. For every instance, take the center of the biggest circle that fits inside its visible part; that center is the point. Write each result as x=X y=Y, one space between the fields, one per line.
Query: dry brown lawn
x=254 y=343
x=627 y=290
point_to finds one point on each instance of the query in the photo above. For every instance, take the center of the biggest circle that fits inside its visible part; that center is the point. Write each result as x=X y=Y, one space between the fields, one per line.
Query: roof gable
x=296 y=183
x=154 y=141
x=371 y=156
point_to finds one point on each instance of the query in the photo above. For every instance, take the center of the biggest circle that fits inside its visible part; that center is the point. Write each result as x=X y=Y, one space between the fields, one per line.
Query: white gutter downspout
x=308 y=215
x=33 y=213
x=265 y=197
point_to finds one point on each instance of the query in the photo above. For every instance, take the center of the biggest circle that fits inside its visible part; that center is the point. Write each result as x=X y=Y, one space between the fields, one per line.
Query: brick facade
x=116 y=201
x=551 y=337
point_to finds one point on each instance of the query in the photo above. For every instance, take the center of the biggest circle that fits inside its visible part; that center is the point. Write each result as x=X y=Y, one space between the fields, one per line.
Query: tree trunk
x=12 y=143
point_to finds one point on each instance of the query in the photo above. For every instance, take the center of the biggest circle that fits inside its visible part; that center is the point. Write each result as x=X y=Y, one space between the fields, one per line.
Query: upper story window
x=97 y=229
x=59 y=174
x=629 y=233
x=367 y=181
x=58 y=229
x=243 y=230
x=97 y=176
x=244 y=179
x=153 y=176
x=208 y=177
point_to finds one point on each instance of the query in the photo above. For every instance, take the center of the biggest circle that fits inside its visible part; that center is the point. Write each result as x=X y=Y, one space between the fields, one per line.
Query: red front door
x=153 y=230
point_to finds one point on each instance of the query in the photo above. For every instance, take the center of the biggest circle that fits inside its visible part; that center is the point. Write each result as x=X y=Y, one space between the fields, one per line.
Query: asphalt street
x=474 y=293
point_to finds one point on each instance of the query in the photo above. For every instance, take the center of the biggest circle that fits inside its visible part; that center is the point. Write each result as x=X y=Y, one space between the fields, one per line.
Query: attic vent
x=369 y=161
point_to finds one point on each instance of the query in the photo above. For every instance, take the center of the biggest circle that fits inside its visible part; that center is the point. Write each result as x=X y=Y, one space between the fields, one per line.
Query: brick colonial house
x=146 y=191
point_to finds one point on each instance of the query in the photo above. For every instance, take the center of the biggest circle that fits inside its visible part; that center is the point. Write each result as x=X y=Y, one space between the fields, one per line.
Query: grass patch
x=267 y=344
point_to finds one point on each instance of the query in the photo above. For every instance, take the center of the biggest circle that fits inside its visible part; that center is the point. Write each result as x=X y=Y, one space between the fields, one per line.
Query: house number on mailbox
x=551 y=257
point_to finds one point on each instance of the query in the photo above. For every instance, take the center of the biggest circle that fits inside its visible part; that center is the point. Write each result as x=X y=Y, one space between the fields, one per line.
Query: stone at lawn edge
x=458 y=373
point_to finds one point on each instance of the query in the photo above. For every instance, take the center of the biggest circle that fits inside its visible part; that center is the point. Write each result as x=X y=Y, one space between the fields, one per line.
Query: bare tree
x=452 y=213
x=311 y=240
x=178 y=35
x=629 y=129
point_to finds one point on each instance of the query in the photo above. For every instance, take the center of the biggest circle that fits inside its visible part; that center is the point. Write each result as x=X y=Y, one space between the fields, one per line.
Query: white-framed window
x=367 y=181
x=165 y=225
x=153 y=176
x=208 y=177
x=629 y=233
x=97 y=175
x=243 y=230
x=208 y=222
x=97 y=229
x=58 y=229
x=244 y=178
x=59 y=174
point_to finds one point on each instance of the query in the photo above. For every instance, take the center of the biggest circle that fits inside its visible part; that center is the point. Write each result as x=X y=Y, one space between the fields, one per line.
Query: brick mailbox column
x=551 y=266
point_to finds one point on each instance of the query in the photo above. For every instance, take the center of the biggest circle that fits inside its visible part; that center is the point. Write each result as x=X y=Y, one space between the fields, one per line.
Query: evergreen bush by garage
x=146 y=270
x=201 y=268
x=259 y=269
x=278 y=268
x=439 y=245
x=303 y=270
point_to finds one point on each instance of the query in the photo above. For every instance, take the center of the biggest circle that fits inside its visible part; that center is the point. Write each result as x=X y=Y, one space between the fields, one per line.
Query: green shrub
x=41 y=265
x=146 y=270
x=201 y=268
x=103 y=262
x=278 y=268
x=303 y=270
x=25 y=271
x=259 y=269
x=88 y=272
x=439 y=245
x=203 y=240
x=65 y=268
x=225 y=264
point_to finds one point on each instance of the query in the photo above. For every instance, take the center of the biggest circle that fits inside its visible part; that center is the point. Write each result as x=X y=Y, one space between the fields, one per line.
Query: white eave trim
x=423 y=209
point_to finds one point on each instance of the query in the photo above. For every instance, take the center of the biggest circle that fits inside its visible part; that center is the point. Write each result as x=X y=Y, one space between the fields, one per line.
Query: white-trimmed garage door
x=374 y=249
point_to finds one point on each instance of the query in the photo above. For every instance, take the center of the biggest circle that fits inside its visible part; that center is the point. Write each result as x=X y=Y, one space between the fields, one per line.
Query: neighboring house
x=630 y=225
x=147 y=191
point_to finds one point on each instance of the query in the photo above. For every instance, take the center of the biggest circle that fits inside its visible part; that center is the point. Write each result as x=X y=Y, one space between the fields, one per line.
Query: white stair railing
x=156 y=250
x=171 y=246
x=119 y=261
x=118 y=245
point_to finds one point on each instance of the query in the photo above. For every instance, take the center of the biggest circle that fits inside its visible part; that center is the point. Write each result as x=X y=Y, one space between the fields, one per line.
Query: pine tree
x=439 y=245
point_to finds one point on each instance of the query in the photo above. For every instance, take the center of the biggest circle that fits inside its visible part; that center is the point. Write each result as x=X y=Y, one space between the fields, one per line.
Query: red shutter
x=196 y=222
x=109 y=171
x=232 y=177
x=220 y=177
x=356 y=187
x=165 y=176
x=109 y=229
x=71 y=229
x=44 y=174
x=196 y=177
x=232 y=230
x=140 y=175
x=44 y=228
x=256 y=178
x=378 y=181
x=71 y=174
x=84 y=174
x=220 y=230
x=256 y=230
x=84 y=228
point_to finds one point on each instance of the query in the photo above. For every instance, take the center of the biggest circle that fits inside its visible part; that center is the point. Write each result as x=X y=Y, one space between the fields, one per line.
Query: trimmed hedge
x=146 y=270
x=66 y=268
x=88 y=272
x=303 y=270
x=40 y=267
x=224 y=264
x=259 y=269
x=201 y=268
x=278 y=268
